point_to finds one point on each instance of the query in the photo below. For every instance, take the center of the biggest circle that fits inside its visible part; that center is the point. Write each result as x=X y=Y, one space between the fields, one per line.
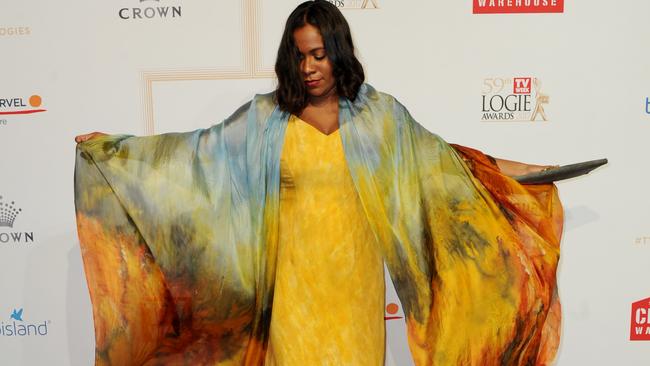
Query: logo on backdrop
x=513 y=99
x=391 y=312
x=16 y=326
x=640 y=322
x=356 y=4
x=647 y=105
x=21 y=105
x=151 y=9
x=642 y=241
x=518 y=6
x=9 y=213
x=15 y=31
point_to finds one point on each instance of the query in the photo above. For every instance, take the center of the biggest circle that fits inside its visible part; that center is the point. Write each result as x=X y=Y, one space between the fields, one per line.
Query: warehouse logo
x=355 y=4
x=640 y=322
x=513 y=99
x=17 y=327
x=151 y=11
x=9 y=212
x=20 y=105
x=15 y=31
x=518 y=6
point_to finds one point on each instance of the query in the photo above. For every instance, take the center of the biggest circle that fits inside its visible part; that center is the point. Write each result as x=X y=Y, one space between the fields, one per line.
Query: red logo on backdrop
x=640 y=323
x=33 y=104
x=521 y=85
x=391 y=310
x=518 y=6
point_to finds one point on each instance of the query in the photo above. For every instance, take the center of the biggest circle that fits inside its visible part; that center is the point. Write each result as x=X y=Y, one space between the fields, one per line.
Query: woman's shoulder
x=369 y=97
x=268 y=97
x=368 y=91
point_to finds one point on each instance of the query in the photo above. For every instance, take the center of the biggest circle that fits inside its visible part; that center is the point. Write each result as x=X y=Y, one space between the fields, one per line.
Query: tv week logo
x=640 y=323
x=522 y=85
x=509 y=99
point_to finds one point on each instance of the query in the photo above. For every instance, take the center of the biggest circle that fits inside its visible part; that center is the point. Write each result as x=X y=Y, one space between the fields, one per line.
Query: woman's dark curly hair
x=291 y=94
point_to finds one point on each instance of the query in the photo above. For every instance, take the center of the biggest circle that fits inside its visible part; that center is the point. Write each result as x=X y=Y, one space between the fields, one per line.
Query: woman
x=292 y=205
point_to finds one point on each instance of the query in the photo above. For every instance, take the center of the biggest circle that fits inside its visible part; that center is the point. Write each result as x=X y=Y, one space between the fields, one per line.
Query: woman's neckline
x=316 y=128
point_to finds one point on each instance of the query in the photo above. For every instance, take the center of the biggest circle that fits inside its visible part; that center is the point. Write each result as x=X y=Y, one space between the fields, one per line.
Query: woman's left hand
x=539 y=168
x=515 y=168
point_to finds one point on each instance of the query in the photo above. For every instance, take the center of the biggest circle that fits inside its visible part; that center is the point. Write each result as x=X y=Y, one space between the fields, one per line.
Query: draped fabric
x=329 y=293
x=179 y=237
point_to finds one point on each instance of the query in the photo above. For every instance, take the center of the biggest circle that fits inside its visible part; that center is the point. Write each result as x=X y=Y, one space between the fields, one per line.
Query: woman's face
x=315 y=66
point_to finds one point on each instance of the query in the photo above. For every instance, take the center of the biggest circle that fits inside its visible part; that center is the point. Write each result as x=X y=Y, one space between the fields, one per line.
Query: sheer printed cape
x=179 y=240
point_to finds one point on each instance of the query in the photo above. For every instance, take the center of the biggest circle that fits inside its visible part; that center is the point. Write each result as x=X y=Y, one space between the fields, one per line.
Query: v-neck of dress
x=316 y=129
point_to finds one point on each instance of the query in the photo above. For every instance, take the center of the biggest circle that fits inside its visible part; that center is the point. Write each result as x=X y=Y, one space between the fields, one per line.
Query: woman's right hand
x=88 y=136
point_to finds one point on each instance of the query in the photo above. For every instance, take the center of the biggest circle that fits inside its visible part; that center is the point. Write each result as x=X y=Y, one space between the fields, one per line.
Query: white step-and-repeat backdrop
x=543 y=82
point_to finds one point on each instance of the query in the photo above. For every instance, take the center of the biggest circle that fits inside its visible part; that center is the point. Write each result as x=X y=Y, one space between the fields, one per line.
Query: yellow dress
x=328 y=306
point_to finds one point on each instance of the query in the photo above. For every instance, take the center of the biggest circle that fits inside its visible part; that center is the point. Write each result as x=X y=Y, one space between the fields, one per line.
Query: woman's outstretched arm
x=88 y=136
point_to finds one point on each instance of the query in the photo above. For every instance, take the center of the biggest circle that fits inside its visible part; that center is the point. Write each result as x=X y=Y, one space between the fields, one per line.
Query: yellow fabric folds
x=329 y=286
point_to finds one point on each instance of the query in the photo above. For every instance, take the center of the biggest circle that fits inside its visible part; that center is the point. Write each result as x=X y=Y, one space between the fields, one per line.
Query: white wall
x=96 y=71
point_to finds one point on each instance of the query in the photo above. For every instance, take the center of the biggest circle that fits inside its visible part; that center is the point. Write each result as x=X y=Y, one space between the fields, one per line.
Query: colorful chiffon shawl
x=179 y=239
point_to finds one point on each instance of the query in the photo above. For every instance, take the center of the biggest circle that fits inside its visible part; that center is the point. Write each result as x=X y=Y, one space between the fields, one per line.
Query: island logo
x=513 y=99
x=640 y=322
x=517 y=6
x=17 y=327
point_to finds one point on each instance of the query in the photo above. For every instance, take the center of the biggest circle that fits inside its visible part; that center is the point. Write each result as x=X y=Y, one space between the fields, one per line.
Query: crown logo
x=8 y=213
